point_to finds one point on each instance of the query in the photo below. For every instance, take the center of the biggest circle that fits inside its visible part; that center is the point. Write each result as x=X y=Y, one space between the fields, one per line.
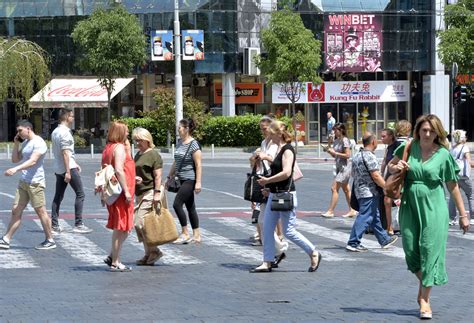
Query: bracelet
x=157 y=191
x=463 y=216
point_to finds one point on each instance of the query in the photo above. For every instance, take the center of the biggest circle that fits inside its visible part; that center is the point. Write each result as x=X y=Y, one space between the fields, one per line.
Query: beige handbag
x=159 y=227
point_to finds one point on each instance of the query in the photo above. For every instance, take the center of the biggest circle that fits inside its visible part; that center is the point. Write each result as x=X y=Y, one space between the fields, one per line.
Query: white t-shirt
x=34 y=174
x=459 y=154
x=63 y=140
x=269 y=148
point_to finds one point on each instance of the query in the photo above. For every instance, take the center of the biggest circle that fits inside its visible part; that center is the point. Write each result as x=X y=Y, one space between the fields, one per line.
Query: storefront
x=86 y=97
x=360 y=105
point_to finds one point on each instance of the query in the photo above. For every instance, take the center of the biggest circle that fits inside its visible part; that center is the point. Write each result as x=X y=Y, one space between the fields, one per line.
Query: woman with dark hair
x=424 y=212
x=187 y=167
x=341 y=151
x=281 y=180
x=117 y=154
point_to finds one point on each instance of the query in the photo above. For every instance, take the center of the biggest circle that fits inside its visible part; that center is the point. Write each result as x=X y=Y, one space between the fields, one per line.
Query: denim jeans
x=76 y=184
x=288 y=221
x=369 y=215
x=465 y=185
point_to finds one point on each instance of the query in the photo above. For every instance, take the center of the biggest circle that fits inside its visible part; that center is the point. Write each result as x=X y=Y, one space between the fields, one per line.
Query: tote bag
x=394 y=183
x=159 y=227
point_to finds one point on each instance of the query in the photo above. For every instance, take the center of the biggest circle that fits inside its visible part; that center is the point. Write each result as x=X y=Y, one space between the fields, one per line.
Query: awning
x=75 y=93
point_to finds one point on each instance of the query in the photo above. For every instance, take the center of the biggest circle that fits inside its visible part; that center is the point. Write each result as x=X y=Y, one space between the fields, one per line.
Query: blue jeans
x=76 y=184
x=288 y=221
x=369 y=215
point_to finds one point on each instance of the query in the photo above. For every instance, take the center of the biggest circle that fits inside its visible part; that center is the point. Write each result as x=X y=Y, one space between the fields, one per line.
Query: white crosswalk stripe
x=14 y=258
x=332 y=234
x=78 y=246
x=243 y=225
x=171 y=255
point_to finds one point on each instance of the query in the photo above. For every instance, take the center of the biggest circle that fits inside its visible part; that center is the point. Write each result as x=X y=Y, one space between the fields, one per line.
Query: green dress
x=424 y=215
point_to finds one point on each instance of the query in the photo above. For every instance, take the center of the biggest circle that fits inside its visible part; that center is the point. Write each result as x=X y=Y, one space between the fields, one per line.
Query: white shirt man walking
x=31 y=185
x=67 y=171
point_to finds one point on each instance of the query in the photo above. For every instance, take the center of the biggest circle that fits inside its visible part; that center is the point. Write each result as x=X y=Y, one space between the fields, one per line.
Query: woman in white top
x=462 y=156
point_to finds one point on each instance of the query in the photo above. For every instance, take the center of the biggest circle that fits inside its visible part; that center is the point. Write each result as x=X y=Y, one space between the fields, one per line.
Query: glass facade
x=229 y=25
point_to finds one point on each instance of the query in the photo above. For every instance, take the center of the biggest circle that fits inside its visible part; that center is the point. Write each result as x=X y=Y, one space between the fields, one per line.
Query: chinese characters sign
x=353 y=42
x=348 y=92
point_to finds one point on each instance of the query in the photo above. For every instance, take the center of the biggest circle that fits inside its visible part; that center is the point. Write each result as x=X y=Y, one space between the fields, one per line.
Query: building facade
x=371 y=42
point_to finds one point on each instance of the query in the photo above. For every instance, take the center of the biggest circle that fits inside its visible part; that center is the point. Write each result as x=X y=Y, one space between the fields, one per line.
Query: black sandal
x=312 y=269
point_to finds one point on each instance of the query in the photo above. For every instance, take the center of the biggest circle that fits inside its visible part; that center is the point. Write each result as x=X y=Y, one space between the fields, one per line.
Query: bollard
x=8 y=151
x=51 y=151
x=212 y=151
x=319 y=150
x=92 y=150
x=133 y=149
x=172 y=150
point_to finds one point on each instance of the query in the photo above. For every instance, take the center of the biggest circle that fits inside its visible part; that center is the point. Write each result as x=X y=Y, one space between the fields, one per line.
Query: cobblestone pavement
x=210 y=282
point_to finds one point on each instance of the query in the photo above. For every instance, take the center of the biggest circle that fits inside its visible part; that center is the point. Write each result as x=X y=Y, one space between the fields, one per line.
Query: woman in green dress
x=424 y=212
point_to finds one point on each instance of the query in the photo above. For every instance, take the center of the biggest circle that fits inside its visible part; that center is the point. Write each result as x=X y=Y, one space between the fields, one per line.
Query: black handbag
x=252 y=189
x=354 y=201
x=282 y=201
x=173 y=184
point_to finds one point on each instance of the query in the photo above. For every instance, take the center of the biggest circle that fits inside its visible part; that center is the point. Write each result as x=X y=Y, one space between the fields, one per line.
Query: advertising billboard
x=244 y=93
x=161 y=45
x=193 y=45
x=353 y=42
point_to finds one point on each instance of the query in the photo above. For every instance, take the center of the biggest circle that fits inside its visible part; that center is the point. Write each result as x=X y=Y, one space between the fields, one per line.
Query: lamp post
x=178 y=79
x=454 y=73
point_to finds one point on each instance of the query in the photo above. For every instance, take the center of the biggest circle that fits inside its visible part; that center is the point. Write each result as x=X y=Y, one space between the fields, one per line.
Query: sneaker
x=4 y=244
x=359 y=248
x=56 y=229
x=452 y=222
x=390 y=242
x=81 y=228
x=256 y=243
x=45 y=245
x=120 y=268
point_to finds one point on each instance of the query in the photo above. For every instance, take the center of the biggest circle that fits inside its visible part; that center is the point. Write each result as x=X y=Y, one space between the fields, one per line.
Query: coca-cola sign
x=70 y=90
x=87 y=93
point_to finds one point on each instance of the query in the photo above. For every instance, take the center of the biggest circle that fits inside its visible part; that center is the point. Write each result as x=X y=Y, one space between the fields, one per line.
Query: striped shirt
x=187 y=171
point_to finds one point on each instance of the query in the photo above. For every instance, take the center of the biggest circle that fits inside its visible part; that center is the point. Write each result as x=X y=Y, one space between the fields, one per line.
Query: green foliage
x=165 y=114
x=24 y=69
x=457 y=41
x=159 y=133
x=236 y=131
x=112 y=42
x=79 y=142
x=293 y=53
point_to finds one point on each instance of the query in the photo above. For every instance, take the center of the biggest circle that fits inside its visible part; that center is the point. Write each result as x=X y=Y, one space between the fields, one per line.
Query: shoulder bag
x=283 y=201
x=460 y=161
x=394 y=183
x=107 y=184
x=173 y=184
x=252 y=189
x=354 y=203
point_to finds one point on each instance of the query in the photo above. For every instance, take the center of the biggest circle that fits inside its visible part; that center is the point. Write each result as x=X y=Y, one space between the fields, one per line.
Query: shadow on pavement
x=414 y=312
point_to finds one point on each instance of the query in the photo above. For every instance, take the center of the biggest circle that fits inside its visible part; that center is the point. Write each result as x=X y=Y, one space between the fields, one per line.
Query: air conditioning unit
x=199 y=81
x=250 y=68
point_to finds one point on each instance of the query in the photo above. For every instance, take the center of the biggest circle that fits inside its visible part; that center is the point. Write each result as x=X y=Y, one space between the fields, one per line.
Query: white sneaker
x=81 y=228
x=452 y=222
x=56 y=229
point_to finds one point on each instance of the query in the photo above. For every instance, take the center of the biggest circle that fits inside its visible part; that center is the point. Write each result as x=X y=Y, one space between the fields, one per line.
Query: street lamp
x=178 y=79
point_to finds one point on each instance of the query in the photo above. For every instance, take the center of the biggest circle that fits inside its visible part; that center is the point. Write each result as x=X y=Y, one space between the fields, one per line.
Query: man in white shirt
x=31 y=185
x=67 y=171
x=330 y=125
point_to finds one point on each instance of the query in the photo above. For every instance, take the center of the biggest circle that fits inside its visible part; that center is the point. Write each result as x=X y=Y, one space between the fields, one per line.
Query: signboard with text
x=244 y=93
x=353 y=42
x=348 y=92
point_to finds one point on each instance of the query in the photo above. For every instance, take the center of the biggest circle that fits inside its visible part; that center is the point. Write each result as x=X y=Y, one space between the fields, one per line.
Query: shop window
x=313 y=131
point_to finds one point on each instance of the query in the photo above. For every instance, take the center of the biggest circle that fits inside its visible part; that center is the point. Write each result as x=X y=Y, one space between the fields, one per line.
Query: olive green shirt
x=145 y=164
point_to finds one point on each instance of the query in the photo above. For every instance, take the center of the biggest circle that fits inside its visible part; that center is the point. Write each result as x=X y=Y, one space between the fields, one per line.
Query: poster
x=193 y=45
x=353 y=42
x=162 y=45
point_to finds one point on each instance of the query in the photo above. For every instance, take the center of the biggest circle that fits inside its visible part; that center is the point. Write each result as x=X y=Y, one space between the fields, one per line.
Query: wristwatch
x=157 y=191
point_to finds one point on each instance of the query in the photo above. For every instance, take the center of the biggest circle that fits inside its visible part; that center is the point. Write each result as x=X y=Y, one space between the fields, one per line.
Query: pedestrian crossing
x=226 y=236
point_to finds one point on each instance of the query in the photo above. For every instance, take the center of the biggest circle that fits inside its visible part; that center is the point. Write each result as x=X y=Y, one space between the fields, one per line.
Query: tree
x=457 y=41
x=293 y=54
x=164 y=115
x=24 y=68
x=113 y=43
